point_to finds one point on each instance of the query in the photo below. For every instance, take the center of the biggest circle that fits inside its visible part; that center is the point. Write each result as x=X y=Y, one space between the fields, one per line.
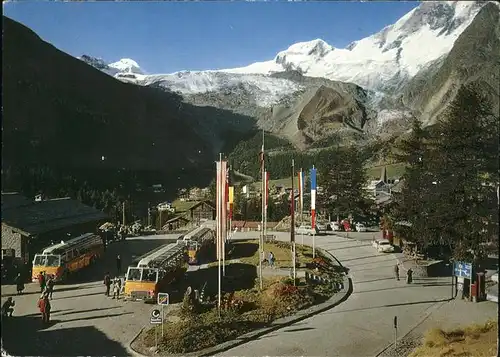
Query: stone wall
x=11 y=240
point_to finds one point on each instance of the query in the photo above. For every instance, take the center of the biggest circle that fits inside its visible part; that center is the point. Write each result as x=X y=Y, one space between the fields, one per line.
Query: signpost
x=156 y=319
x=464 y=270
x=395 y=332
x=163 y=299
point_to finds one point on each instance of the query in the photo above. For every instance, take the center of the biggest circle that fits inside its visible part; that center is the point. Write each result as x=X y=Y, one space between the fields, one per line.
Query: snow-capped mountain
x=383 y=60
x=124 y=68
x=282 y=93
x=380 y=62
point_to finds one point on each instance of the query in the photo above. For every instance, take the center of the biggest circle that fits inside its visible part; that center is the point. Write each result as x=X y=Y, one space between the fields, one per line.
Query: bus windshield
x=47 y=260
x=134 y=274
x=149 y=275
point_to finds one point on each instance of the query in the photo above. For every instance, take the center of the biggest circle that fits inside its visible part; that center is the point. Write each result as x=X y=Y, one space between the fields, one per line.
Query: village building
x=184 y=213
x=28 y=226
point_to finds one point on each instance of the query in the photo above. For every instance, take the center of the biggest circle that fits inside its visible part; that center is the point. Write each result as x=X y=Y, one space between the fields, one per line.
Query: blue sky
x=167 y=37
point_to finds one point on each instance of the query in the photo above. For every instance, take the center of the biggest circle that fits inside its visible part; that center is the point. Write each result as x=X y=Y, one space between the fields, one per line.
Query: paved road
x=84 y=321
x=362 y=325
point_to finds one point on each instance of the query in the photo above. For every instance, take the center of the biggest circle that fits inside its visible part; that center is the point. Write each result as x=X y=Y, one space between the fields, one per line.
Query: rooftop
x=45 y=216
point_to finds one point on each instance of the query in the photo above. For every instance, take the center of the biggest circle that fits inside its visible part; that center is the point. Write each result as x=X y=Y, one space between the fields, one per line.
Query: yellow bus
x=200 y=242
x=62 y=259
x=155 y=271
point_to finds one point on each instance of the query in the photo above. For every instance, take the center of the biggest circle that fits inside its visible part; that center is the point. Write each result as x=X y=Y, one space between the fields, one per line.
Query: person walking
x=8 y=307
x=41 y=281
x=271 y=259
x=118 y=264
x=107 y=282
x=117 y=285
x=19 y=284
x=409 y=276
x=45 y=307
x=396 y=271
x=50 y=287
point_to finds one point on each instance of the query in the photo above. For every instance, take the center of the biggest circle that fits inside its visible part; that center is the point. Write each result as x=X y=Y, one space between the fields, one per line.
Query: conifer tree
x=465 y=207
x=411 y=203
x=342 y=177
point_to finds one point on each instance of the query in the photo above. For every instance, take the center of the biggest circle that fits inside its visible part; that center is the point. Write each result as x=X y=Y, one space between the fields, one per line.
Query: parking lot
x=84 y=321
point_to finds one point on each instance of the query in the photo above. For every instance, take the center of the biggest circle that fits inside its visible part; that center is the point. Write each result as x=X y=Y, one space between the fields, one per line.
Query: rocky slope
x=473 y=59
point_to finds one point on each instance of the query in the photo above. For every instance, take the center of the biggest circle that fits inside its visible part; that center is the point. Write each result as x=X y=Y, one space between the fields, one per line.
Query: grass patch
x=248 y=252
x=474 y=340
x=244 y=311
x=245 y=307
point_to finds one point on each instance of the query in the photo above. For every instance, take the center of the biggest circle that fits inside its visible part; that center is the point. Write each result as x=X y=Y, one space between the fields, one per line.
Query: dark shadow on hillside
x=242 y=250
x=134 y=125
x=238 y=277
x=36 y=341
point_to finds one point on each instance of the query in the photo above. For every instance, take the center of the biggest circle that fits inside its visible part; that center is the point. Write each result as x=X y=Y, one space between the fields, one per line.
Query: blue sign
x=462 y=269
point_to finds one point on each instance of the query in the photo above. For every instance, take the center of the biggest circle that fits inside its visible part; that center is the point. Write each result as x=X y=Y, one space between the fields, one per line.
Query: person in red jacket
x=44 y=306
x=41 y=281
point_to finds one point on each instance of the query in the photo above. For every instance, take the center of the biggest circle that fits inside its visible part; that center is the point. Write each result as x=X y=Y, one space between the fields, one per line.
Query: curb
x=335 y=300
x=412 y=329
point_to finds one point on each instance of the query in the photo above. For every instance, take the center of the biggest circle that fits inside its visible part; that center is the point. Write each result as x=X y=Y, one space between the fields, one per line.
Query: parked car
x=307 y=230
x=335 y=226
x=384 y=246
x=360 y=227
x=321 y=227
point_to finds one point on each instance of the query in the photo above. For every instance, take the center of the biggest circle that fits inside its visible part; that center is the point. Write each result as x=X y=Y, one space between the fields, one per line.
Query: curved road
x=363 y=324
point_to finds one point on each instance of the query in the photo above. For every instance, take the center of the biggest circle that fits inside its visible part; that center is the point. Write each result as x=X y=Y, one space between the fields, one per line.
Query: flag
x=301 y=190
x=261 y=158
x=221 y=206
x=231 y=201
x=218 y=165
x=313 y=197
x=267 y=189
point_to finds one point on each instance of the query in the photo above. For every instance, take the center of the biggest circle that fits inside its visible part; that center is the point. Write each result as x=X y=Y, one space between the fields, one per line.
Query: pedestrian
x=44 y=306
x=8 y=307
x=107 y=282
x=19 y=284
x=271 y=259
x=409 y=276
x=396 y=271
x=263 y=258
x=117 y=285
x=41 y=281
x=119 y=264
x=50 y=287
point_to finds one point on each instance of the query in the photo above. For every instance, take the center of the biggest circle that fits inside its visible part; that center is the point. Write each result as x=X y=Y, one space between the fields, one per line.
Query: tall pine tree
x=465 y=206
x=411 y=203
x=342 y=177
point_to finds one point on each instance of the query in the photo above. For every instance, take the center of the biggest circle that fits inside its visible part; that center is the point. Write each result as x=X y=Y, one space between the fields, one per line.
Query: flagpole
x=261 y=245
x=292 y=223
x=302 y=203
x=224 y=217
x=313 y=209
x=219 y=235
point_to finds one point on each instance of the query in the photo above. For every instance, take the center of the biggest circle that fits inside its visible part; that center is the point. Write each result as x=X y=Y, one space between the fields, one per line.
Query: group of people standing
x=409 y=274
x=116 y=282
x=46 y=284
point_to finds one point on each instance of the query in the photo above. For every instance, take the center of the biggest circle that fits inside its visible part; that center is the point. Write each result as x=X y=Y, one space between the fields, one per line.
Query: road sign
x=395 y=322
x=462 y=269
x=163 y=299
x=156 y=317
